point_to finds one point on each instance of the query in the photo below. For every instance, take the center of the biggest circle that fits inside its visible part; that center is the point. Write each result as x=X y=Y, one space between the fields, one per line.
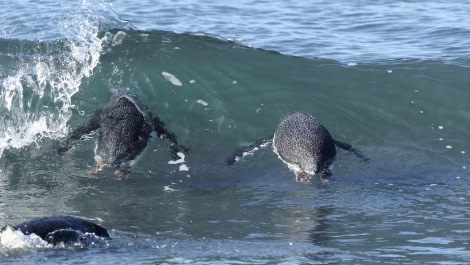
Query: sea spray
x=14 y=239
x=42 y=76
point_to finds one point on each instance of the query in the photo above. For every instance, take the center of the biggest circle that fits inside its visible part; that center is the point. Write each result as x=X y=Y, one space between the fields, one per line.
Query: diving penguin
x=60 y=229
x=125 y=125
x=304 y=145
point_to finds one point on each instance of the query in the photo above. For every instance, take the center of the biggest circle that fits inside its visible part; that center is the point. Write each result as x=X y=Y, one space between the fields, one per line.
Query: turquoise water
x=224 y=75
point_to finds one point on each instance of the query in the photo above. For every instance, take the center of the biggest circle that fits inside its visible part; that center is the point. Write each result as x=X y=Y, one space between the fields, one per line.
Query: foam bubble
x=118 y=38
x=202 y=102
x=168 y=188
x=172 y=79
x=183 y=167
x=178 y=161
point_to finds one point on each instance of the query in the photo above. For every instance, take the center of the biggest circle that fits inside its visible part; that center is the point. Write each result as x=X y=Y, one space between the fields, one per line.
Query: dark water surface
x=407 y=205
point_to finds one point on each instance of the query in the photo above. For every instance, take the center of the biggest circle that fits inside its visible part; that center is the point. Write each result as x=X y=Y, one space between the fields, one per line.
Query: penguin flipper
x=240 y=152
x=162 y=132
x=79 y=132
x=352 y=150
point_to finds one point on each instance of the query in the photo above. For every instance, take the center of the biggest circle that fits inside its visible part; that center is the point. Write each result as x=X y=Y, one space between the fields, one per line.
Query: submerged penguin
x=61 y=229
x=125 y=126
x=304 y=145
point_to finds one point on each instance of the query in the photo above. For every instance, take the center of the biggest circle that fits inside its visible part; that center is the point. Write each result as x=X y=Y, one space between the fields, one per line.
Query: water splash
x=13 y=239
x=35 y=96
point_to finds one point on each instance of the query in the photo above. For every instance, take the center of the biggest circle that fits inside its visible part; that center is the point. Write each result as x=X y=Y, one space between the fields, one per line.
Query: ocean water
x=388 y=77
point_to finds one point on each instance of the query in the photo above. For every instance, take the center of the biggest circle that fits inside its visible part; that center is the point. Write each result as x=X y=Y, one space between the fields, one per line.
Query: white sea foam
x=172 y=79
x=168 y=188
x=118 y=38
x=182 y=167
x=35 y=98
x=14 y=239
x=202 y=102
x=178 y=161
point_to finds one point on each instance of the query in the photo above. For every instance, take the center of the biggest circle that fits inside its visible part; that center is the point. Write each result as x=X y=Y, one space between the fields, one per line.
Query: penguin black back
x=124 y=133
x=66 y=229
x=301 y=140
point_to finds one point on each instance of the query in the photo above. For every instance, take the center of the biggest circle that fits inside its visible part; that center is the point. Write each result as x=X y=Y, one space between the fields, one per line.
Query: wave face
x=204 y=86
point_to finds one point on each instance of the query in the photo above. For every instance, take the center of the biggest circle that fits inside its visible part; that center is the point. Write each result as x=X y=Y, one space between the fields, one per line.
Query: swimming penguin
x=304 y=145
x=125 y=126
x=65 y=229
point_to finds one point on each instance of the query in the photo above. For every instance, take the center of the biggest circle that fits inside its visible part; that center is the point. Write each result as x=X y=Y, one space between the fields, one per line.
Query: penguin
x=61 y=229
x=125 y=125
x=305 y=145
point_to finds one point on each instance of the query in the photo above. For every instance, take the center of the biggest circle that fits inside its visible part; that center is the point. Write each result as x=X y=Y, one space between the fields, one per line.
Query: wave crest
x=35 y=95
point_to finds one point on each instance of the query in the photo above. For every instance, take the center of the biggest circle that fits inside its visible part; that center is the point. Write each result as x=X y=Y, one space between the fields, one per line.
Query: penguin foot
x=302 y=176
x=93 y=170
x=122 y=174
x=327 y=177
